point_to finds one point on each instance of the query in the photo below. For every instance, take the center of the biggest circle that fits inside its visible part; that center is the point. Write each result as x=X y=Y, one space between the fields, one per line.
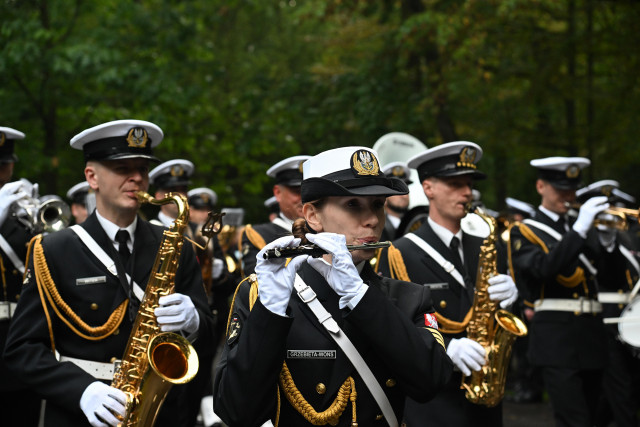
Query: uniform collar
x=445 y=235
x=165 y=219
x=111 y=229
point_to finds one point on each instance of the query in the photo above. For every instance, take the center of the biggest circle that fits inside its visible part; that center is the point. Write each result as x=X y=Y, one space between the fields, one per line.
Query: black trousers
x=574 y=395
x=20 y=408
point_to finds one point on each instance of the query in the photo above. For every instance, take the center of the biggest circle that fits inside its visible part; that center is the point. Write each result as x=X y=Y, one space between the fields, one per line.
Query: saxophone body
x=493 y=328
x=153 y=360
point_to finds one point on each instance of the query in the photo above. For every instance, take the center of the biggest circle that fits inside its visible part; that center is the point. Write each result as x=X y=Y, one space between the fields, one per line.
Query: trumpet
x=45 y=214
x=316 y=251
x=617 y=216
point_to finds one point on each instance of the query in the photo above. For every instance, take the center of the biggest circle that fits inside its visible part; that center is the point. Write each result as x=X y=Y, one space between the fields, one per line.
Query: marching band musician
x=66 y=347
x=395 y=206
x=78 y=197
x=619 y=398
x=553 y=256
x=287 y=177
x=18 y=404
x=448 y=172
x=389 y=322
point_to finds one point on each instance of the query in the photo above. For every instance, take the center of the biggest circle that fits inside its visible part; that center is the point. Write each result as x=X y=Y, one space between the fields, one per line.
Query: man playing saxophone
x=82 y=289
x=444 y=258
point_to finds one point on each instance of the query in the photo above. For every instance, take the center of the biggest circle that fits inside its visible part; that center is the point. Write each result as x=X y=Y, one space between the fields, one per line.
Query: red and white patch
x=430 y=321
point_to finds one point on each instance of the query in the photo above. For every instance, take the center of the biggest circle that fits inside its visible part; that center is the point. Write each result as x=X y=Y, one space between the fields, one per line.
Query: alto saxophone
x=153 y=360
x=495 y=329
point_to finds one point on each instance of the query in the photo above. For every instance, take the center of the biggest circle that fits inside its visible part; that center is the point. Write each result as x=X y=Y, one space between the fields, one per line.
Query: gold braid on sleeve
x=47 y=288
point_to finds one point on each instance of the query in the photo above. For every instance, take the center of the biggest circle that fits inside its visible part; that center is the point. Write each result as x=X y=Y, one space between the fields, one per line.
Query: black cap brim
x=474 y=173
x=122 y=156
x=8 y=158
x=317 y=188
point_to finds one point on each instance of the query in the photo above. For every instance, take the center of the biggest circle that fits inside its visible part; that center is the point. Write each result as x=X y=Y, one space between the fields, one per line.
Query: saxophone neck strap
x=553 y=233
x=437 y=257
x=308 y=296
x=104 y=258
x=8 y=250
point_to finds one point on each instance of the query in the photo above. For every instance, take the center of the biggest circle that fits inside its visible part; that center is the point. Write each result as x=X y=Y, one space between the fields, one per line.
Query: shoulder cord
x=254 y=237
x=47 y=286
x=399 y=271
x=346 y=392
x=4 y=280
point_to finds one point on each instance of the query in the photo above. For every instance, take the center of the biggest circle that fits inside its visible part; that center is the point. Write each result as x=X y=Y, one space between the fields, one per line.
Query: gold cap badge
x=137 y=137
x=573 y=171
x=467 y=158
x=365 y=163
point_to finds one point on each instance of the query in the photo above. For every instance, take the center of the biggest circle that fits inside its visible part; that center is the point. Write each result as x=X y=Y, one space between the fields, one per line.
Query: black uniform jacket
x=28 y=350
x=18 y=236
x=269 y=231
x=451 y=300
x=387 y=327
x=560 y=338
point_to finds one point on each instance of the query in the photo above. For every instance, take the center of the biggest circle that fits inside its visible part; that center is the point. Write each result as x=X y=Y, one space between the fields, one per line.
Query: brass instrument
x=316 y=251
x=45 y=214
x=153 y=361
x=493 y=328
x=613 y=217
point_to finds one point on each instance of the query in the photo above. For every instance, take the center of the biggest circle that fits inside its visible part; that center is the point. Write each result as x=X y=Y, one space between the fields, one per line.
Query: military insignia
x=572 y=171
x=234 y=329
x=27 y=277
x=364 y=163
x=397 y=171
x=205 y=198
x=3 y=138
x=176 y=170
x=468 y=158
x=430 y=321
x=137 y=137
x=300 y=168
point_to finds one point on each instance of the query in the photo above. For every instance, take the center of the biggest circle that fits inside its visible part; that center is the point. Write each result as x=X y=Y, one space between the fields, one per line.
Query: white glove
x=217 y=268
x=587 y=214
x=101 y=404
x=502 y=288
x=9 y=193
x=342 y=275
x=176 y=312
x=275 y=277
x=466 y=354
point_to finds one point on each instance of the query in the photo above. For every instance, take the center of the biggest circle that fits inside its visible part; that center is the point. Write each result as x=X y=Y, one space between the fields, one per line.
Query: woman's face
x=359 y=218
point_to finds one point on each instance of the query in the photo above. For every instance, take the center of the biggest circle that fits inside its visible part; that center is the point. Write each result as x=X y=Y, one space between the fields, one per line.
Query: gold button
x=116 y=332
x=577 y=313
x=620 y=291
x=321 y=388
x=443 y=304
x=17 y=297
x=390 y=382
x=15 y=272
x=379 y=417
x=94 y=306
x=575 y=295
x=113 y=359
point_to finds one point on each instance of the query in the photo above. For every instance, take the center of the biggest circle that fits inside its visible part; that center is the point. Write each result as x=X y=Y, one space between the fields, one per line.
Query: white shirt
x=394 y=220
x=554 y=216
x=446 y=236
x=111 y=229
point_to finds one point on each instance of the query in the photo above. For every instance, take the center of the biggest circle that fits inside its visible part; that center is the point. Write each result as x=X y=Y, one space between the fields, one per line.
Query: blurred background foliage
x=237 y=85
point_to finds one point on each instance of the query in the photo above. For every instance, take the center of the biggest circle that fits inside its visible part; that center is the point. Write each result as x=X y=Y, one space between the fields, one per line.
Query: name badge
x=311 y=354
x=437 y=286
x=91 y=280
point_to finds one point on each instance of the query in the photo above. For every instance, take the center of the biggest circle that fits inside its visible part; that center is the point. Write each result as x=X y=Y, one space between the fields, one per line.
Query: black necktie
x=122 y=237
x=561 y=223
x=455 y=248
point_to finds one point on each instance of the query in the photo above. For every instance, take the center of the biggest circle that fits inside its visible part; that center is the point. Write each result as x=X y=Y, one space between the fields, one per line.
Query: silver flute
x=316 y=251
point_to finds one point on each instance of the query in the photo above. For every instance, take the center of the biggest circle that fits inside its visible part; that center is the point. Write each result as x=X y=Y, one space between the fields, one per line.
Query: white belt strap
x=446 y=265
x=7 y=249
x=613 y=298
x=99 y=370
x=553 y=233
x=7 y=309
x=104 y=258
x=579 y=306
x=308 y=296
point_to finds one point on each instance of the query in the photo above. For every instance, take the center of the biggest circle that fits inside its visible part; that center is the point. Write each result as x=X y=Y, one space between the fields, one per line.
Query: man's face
x=398 y=204
x=448 y=196
x=6 y=172
x=116 y=183
x=553 y=198
x=289 y=200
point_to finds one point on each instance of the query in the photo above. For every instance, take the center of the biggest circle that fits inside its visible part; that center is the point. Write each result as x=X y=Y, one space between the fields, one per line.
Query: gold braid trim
x=397 y=268
x=4 y=281
x=254 y=237
x=572 y=281
x=449 y=326
x=252 y=298
x=531 y=236
x=47 y=286
x=627 y=273
x=331 y=415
